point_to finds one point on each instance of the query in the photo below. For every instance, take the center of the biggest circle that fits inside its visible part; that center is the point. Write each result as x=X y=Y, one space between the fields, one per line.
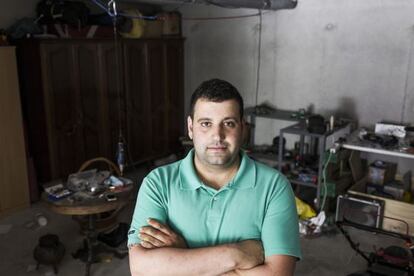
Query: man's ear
x=190 y=127
x=243 y=123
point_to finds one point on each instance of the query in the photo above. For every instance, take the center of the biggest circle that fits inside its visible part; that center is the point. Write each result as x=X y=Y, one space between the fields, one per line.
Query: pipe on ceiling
x=256 y=4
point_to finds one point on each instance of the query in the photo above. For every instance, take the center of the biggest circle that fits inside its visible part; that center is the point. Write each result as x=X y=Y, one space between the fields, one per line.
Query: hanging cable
x=325 y=186
x=120 y=152
x=407 y=76
x=259 y=55
x=111 y=12
x=100 y=4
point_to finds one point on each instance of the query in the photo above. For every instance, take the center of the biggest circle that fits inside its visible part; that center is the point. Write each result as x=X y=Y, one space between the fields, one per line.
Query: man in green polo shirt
x=215 y=212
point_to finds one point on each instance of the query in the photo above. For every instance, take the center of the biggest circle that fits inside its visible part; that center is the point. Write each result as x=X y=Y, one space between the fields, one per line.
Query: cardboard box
x=172 y=24
x=394 y=129
x=396 y=189
x=153 y=28
x=381 y=172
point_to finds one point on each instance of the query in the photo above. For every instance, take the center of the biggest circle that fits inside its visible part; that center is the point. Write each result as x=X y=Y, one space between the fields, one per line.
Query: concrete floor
x=325 y=255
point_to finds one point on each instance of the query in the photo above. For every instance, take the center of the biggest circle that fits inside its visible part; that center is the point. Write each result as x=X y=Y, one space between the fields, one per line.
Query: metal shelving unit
x=298 y=128
x=283 y=115
x=251 y=114
x=301 y=130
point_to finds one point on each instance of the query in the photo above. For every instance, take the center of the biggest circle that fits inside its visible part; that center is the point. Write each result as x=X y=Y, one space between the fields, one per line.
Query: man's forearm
x=262 y=270
x=276 y=265
x=215 y=260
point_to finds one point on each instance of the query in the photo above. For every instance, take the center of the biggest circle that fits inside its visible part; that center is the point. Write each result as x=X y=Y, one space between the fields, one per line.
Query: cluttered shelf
x=380 y=200
x=310 y=173
x=267 y=112
x=386 y=145
x=301 y=129
x=302 y=165
x=378 y=183
x=271 y=159
x=268 y=154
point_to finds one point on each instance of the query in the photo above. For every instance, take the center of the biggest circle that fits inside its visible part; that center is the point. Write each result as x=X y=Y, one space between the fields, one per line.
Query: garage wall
x=348 y=58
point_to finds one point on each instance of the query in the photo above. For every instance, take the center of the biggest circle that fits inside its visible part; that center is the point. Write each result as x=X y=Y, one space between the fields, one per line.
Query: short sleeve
x=280 y=230
x=150 y=204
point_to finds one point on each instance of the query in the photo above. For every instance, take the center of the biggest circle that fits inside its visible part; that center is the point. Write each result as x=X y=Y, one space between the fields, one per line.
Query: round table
x=90 y=208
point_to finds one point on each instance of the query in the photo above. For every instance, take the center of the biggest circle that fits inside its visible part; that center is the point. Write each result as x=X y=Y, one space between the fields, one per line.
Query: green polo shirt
x=257 y=204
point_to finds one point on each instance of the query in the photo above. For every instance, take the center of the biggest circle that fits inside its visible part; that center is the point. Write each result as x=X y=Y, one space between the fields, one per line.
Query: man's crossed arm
x=163 y=252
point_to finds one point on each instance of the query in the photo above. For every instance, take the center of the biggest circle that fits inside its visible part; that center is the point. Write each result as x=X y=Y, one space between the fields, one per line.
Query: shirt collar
x=246 y=175
x=188 y=176
x=244 y=179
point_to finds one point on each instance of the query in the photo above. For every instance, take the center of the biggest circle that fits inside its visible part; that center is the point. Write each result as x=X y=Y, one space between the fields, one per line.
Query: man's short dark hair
x=218 y=91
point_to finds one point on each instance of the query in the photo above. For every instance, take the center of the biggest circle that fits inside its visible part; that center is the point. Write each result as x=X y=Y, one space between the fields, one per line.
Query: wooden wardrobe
x=79 y=93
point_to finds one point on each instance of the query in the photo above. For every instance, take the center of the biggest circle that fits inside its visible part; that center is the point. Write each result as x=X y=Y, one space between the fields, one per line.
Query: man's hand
x=157 y=235
x=250 y=254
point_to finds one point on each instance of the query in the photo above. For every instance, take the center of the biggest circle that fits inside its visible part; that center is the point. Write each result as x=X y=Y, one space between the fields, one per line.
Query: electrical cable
x=120 y=152
x=259 y=55
x=122 y=149
x=99 y=4
x=325 y=188
x=407 y=229
x=117 y=64
x=406 y=79
x=102 y=6
x=144 y=17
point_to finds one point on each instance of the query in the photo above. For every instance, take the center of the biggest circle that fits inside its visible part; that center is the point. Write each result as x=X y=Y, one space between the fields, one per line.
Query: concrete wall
x=345 y=57
x=10 y=11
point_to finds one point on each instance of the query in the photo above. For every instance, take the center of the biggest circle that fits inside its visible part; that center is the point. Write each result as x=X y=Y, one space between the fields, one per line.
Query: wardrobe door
x=63 y=108
x=138 y=100
x=174 y=90
x=158 y=98
x=113 y=99
x=93 y=105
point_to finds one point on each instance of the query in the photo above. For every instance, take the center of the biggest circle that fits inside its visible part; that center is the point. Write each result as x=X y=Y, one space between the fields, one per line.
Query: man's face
x=216 y=131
